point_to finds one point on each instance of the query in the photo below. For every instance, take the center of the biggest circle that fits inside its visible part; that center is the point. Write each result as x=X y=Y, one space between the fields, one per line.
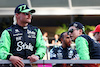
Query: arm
x=75 y=55
x=5 y=43
x=40 y=45
x=82 y=48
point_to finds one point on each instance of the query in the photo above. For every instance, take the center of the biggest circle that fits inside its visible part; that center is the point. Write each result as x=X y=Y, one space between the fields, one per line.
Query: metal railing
x=56 y=61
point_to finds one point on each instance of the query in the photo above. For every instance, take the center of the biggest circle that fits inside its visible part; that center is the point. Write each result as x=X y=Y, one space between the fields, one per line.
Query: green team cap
x=23 y=8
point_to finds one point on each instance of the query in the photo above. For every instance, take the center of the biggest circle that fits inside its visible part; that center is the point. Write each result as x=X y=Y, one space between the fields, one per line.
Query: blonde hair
x=14 y=20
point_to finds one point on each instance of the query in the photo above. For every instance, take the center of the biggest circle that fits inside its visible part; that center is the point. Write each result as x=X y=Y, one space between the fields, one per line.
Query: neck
x=64 y=45
x=22 y=24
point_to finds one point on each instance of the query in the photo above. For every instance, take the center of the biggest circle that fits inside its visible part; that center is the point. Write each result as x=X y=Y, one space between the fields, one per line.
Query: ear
x=16 y=14
x=61 y=39
x=80 y=31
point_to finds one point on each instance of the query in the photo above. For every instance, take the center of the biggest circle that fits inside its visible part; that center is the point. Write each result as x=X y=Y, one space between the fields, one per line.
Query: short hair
x=61 y=36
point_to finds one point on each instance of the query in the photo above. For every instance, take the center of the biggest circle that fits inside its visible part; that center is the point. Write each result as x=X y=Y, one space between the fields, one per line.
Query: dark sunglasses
x=67 y=37
x=29 y=13
x=71 y=30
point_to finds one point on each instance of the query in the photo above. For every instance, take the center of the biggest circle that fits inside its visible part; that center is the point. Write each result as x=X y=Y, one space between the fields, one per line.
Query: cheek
x=67 y=41
x=98 y=36
x=21 y=18
x=75 y=34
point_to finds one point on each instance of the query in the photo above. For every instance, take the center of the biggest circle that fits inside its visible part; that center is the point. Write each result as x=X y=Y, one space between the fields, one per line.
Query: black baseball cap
x=78 y=25
x=23 y=8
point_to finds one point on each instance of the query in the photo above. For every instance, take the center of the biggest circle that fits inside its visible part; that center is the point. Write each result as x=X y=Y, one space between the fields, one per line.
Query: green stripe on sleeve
x=82 y=48
x=5 y=42
x=40 y=45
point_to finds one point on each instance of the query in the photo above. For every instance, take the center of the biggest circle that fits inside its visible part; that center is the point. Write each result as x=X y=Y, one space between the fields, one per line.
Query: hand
x=33 y=58
x=16 y=61
x=75 y=59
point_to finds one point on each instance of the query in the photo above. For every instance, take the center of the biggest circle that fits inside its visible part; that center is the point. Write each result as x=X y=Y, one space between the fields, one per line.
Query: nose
x=29 y=15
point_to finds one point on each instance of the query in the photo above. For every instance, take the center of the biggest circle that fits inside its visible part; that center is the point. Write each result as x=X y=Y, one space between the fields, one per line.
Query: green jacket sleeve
x=82 y=48
x=40 y=45
x=5 y=43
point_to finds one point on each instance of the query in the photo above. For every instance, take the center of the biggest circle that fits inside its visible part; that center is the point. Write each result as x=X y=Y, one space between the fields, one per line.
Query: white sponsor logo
x=31 y=36
x=22 y=46
x=18 y=38
x=75 y=25
x=18 y=34
x=30 y=32
x=16 y=30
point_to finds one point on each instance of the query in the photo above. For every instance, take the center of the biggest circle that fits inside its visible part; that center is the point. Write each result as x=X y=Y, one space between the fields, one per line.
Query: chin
x=29 y=21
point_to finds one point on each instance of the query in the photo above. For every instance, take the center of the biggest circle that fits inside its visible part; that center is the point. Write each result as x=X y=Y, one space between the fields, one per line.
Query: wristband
x=8 y=57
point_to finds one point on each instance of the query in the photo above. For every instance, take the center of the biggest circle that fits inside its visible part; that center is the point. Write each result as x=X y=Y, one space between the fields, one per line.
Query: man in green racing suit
x=22 y=41
x=86 y=47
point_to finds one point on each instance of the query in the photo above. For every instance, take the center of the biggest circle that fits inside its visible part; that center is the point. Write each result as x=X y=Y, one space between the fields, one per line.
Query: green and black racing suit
x=22 y=42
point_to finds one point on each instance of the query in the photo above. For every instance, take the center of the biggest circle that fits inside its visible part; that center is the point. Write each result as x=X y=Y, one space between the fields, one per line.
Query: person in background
x=56 y=41
x=45 y=37
x=91 y=34
x=96 y=33
x=22 y=40
x=64 y=51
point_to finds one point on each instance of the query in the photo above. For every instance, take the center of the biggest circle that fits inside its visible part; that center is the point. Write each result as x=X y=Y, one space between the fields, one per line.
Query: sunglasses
x=67 y=37
x=71 y=30
x=29 y=13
